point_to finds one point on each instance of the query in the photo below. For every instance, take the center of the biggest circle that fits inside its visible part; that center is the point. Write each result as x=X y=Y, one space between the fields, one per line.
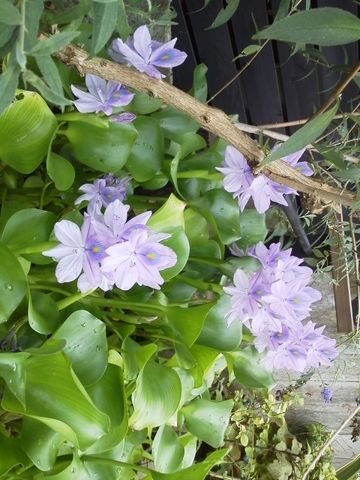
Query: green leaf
x=147 y=153
x=225 y=14
x=42 y=451
x=143 y=104
x=175 y=124
x=6 y=32
x=105 y=149
x=122 y=23
x=113 y=404
x=167 y=450
x=61 y=171
x=9 y=14
x=11 y=454
x=8 y=84
x=252 y=227
x=207 y=420
x=170 y=215
x=249 y=370
x=249 y=50
x=216 y=333
x=86 y=345
x=180 y=244
x=331 y=155
x=53 y=44
x=196 y=227
x=197 y=472
x=12 y=371
x=43 y=313
x=29 y=227
x=187 y=322
x=219 y=207
x=33 y=11
x=31 y=116
x=156 y=397
x=50 y=73
x=12 y=283
x=325 y=26
x=55 y=396
x=200 y=89
x=51 y=95
x=104 y=22
x=304 y=136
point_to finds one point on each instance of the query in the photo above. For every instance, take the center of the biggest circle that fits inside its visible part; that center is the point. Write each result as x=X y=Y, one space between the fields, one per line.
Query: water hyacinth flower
x=272 y=303
x=103 y=192
x=240 y=181
x=102 y=96
x=327 y=394
x=145 y=54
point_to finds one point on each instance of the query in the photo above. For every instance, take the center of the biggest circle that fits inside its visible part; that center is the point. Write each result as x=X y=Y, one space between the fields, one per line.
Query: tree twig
x=301 y=121
x=211 y=119
x=329 y=442
x=357 y=268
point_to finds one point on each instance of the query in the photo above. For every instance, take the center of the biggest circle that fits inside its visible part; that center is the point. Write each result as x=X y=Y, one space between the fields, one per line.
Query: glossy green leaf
x=198 y=471
x=205 y=359
x=43 y=313
x=53 y=44
x=86 y=345
x=109 y=396
x=136 y=356
x=189 y=442
x=180 y=244
x=12 y=283
x=304 y=136
x=167 y=450
x=9 y=14
x=50 y=73
x=8 y=84
x=75 y=471
x=196 y=227
x=105 y=149
x=349 y=470
x=148 y=150
x=216 y=333
x=30 y=116
x=11 y=454
x=60 y=170
x=40 y=443
x=249 y=369
x=252 y=228
x=104 y=22
x=219 y=207
x=90 y=118
x=143 y=104
x=225 y=14
x=174 y=123
x=187 y=322
x=12 y=371
x=207 y=420
x=55 y=396
x=156 y=397
x=123 y=24
x=27 y=227
x=200 y=89
x=170 y=215
x=45 y=91
x=324 y=26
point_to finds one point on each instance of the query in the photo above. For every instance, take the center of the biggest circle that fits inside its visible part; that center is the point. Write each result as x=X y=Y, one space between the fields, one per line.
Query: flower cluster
x=240 y=181
x=145 y=54
x=108 y=249
x=272 y=303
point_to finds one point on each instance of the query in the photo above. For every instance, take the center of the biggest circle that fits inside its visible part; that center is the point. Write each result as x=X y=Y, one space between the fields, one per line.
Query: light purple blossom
x=327 y=394
x=272 y=303
x=125 y=117
x=240 y=181
x=102 y=96
x=145 y=54
x=103 y=192
x=80 y=252
x=139 y=260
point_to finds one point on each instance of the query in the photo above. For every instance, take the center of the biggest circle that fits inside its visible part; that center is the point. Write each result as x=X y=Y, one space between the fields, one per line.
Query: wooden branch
x=211 y=119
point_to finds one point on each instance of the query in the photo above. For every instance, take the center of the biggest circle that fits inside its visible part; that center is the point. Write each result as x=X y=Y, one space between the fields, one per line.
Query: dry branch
x=211 y=119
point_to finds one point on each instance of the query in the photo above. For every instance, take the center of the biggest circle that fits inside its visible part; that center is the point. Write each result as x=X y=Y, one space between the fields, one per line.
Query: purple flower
x=327 y=394
x=103 y=192
x=139 y=260
x=126 y=117
x=80 y=250
x=102 y=96
x=240 y=181
x=144 y=54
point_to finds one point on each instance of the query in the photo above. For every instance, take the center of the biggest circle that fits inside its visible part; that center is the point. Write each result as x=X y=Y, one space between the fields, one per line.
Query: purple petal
x=68 y=233
x=142 y=42
x=167 y=57
x=86 y=103
x=69 y=268
x=126 y=117
x=95 y=84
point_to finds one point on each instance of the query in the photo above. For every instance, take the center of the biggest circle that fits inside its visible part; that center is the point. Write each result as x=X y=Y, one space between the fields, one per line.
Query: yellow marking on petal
x=166 y=56
x=150 y=256
x=95 y=249
x=279 y=334
x=295 y=300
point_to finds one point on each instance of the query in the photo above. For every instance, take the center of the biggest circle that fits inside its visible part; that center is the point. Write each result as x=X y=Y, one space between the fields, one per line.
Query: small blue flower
x=327 y=394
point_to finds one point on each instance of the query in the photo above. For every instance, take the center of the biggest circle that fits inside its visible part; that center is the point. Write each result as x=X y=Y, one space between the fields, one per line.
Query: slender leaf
x=349 y=470
x=47 y=92
x=33 y=11
x=53 y=44
x=8 y=84
x=104 y=22
x=50 y=73
x=304 y=136
x=326 y=26
x=225 y=14
x=122 y=23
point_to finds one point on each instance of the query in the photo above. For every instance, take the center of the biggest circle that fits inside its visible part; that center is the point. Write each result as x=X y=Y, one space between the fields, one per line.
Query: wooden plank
x=259 y=81
x=342 y=293
x=215 y=49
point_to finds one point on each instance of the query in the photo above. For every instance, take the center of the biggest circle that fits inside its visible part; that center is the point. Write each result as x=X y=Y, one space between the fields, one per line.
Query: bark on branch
x=211 y=119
